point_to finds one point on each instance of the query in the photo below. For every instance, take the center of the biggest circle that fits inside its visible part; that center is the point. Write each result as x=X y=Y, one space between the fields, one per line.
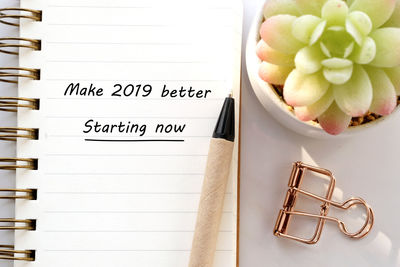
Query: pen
x=214 y=187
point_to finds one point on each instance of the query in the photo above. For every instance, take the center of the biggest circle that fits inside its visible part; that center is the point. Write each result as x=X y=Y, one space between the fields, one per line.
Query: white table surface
x=365 y=166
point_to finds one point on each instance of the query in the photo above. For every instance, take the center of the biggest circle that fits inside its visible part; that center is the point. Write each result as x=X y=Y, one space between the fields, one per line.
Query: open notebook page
x=130 y=91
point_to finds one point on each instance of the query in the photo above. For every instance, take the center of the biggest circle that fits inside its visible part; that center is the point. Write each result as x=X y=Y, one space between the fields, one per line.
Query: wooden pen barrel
x=211 y=203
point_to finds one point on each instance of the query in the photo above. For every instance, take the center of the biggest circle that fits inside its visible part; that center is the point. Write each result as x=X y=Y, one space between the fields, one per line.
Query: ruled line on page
x=136 y=140
x=127 y=231
x=176 y=25
x=125 y=193
x=136 y=7
x=129 y=250
x=190 y=7
x=119 y=136
x=125 y=212
x=131 y=117
x=123 y=155
x=107 y=25
x=122 y=174
x=136 y=80
x=131 y=61
x=121 y=43
x=128 y=99
x=94 y=6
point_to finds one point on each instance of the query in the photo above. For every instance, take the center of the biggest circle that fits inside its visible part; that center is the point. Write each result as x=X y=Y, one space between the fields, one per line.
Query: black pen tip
x=225 y=128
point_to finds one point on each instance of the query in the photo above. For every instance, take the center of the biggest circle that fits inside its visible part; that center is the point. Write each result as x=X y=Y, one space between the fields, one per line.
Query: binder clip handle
x=369 y=221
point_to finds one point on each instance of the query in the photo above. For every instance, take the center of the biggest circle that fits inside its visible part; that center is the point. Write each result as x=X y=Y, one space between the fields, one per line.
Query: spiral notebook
x=116 y=104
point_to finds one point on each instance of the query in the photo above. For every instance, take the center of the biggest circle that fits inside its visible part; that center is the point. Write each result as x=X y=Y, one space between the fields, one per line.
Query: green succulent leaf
x=280 y=7
x=304 y=89
x=379 y=11
x=338 y=76
x=325 y=49
x=308 y=59
x=304 y=26
x=394 y=75
x=387 y=42
x=348 y=50
x=335 y=12
x=394 y=20
x=311 y=112
x=277 y=33
x=317 y=33
x=274 y=74
x=354 y=32
x=334 y=121
x=365 y=53
x=384 y=101
x=355 y=96
x=337 y=70
x=268 y=54
x=310 y=7
x=337 y=63
x=361 y=22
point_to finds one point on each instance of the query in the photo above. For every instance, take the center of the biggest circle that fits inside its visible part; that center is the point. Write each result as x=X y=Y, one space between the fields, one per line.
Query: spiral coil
x=11 y=104
x=11 y=43
x=28 y=194
x=12 y=133
x=18 y=163
x=11 y=16
x=11 y=75
x=8 y=252
x=13 y=224
x=11 y=46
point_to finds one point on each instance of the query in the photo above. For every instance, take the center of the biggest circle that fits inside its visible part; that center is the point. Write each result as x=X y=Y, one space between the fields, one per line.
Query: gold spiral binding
x=28 y=194
x=11 y=104
x=11 y=75
x=15 y=13
x=14 y=224
x=6 y=43
x=8 y=252
x=18 y=163
x=10 y=45
x=12 y=133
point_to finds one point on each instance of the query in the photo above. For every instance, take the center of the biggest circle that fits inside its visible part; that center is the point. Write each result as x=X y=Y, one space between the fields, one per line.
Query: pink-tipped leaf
x=277 y=33
x=355 y=96
x=385 y=100
x=311 y=112
x=334 y=121
x=274 y=74
x=304 y=89
x=266 y=53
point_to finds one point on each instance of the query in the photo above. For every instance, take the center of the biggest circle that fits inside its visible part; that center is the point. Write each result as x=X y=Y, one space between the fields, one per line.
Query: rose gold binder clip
x=288 y=211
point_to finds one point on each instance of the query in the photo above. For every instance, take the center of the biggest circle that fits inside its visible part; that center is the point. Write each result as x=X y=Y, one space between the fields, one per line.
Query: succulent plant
x=335 y=59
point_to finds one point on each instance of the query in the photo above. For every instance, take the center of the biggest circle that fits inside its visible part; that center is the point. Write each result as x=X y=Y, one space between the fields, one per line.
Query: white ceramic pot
x=273 y=103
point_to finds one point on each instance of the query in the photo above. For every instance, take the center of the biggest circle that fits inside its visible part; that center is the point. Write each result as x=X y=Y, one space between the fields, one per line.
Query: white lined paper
x=125 y=203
